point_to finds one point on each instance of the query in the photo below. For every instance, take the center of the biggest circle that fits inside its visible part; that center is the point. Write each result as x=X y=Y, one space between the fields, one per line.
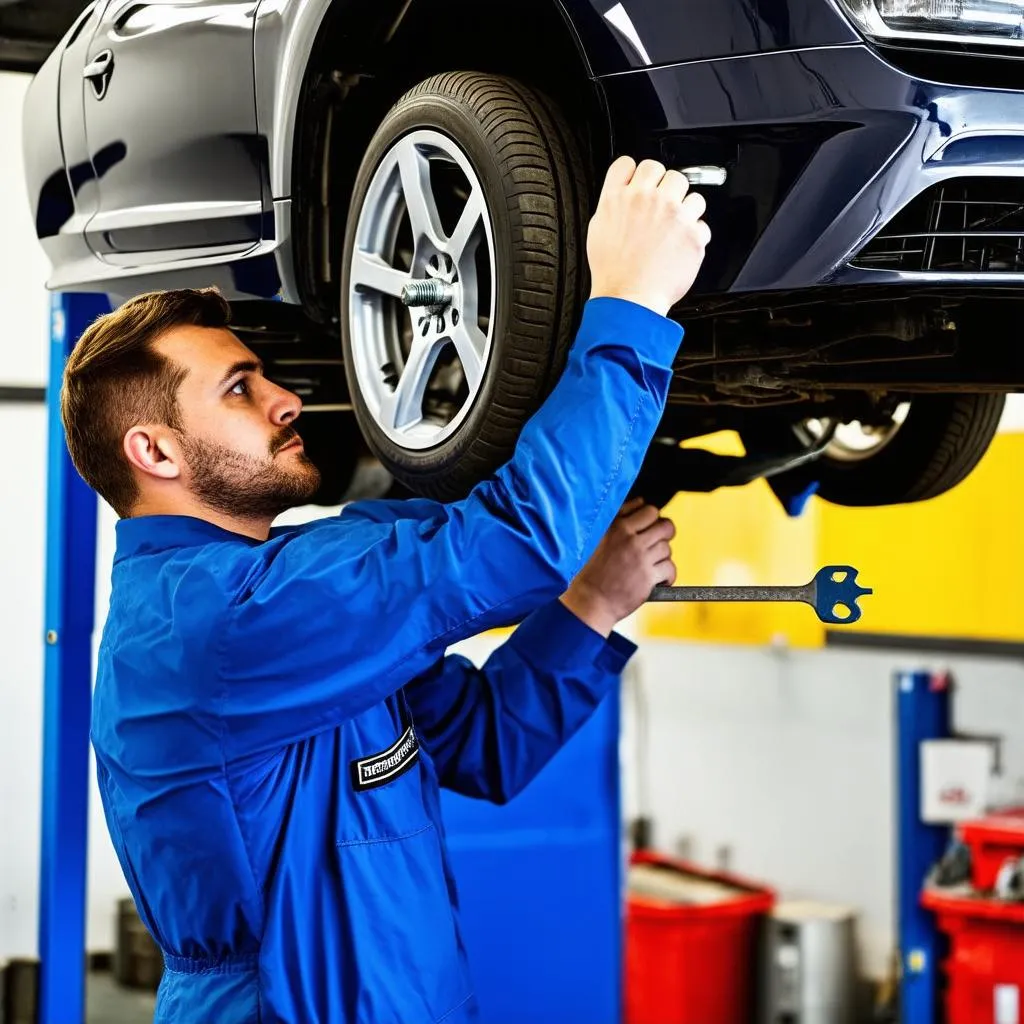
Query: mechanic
x=274 y=708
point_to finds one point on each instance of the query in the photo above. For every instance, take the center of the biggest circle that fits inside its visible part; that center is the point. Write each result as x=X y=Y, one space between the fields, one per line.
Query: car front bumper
x=824 y=148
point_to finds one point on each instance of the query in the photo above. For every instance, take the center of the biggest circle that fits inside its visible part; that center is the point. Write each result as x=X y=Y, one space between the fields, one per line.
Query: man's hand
x=634 y=556
x=646 y=239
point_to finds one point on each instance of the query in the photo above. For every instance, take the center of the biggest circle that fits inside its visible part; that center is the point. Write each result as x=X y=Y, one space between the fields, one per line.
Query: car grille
x=967 y=224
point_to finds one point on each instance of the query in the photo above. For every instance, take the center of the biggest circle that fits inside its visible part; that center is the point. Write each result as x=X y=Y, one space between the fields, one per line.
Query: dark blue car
x=395 y=195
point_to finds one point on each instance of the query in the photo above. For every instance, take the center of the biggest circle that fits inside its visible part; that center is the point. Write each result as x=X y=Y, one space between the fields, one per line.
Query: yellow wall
x=949 y=567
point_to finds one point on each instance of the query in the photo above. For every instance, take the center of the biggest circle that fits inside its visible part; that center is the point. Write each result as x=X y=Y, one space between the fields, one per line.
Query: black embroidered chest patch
x=379 y=769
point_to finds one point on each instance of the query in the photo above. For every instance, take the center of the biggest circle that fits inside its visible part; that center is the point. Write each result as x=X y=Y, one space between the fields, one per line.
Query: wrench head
x=836 y=592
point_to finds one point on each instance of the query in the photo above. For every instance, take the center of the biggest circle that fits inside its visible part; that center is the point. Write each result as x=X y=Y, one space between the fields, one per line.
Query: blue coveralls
x=272 y=719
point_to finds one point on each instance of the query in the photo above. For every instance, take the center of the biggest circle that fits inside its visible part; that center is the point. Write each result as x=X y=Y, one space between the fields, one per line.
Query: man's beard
x=250 y=488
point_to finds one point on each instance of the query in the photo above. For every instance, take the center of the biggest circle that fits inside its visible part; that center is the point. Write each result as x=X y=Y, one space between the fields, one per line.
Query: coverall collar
x=148 y=534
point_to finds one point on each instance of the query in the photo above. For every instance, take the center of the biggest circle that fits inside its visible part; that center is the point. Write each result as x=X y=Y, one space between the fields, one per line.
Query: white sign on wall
x=955 y=780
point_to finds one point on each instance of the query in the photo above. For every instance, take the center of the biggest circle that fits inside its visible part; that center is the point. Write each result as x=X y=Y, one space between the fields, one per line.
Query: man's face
x=241 y=453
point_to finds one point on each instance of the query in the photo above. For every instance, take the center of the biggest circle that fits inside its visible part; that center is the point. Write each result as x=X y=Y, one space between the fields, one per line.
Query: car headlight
x=980 y=21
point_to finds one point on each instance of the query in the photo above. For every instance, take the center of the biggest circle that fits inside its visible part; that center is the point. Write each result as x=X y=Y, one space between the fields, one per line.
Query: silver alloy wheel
x=420 y=367
x=852 y=441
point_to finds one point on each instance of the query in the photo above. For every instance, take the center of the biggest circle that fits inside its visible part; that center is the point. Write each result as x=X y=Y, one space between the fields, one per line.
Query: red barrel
x=693 y=962
x=992 y=840
x=985 y=966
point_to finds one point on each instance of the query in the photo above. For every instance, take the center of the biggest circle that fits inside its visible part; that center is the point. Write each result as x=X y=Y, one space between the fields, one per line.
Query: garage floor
x=110 y=1003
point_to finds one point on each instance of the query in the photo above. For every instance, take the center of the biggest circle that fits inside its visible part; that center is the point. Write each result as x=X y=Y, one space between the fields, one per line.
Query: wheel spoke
x=370 y=271
x=419 y=195
x=469 y=221
x=471 y=345
x=419 y=400
x=403 y=408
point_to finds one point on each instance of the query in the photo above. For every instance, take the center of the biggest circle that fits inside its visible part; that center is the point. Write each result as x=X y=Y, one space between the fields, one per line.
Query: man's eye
x=239 y=389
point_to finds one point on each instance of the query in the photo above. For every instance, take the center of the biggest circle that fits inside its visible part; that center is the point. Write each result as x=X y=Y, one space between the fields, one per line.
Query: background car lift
x=523 y=844
x=923 y=712
x=71 y=521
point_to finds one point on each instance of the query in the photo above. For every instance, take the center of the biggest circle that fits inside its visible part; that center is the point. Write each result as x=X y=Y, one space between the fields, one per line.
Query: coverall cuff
x=655 y=335
x=554 y=637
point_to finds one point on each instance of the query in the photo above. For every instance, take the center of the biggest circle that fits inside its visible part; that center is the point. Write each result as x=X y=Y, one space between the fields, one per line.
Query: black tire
x=940 y=442
x=532 y=173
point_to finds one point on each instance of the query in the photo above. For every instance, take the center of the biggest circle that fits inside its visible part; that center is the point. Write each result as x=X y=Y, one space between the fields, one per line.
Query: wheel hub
x=853 y=441
x=435 y=295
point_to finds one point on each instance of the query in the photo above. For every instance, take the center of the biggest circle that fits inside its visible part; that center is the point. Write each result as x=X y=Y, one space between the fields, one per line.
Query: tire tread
x=973 y=421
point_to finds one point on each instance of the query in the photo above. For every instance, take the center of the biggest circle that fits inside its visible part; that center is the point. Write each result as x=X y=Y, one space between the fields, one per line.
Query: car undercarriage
x=865 y=275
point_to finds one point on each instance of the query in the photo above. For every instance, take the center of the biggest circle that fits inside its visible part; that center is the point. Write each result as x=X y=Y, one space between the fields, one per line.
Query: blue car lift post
x=71 y=516
x=922 y=712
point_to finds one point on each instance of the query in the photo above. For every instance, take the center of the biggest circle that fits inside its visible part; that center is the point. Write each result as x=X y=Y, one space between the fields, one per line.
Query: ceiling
x=30 y=29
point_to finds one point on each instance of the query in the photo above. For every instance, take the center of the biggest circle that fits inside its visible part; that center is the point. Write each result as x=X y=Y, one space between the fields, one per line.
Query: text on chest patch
x=378 y=769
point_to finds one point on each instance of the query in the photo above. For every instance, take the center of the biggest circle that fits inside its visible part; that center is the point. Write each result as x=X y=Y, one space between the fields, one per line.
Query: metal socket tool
x=704 y=174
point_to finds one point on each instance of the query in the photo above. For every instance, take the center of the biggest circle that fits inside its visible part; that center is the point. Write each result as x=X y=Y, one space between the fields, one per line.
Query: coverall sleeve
x=326 y=623
x=490 y=730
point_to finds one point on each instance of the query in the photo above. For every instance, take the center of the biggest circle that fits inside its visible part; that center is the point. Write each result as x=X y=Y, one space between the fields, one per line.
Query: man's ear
x=152 y=451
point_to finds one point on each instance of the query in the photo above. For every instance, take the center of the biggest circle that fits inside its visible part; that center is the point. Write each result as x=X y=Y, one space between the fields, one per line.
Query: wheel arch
x=328 y=71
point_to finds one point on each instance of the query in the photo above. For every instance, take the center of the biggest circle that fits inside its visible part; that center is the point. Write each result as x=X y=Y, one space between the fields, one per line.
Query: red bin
x=992 y=840
x=690 y=963
x=985 y=966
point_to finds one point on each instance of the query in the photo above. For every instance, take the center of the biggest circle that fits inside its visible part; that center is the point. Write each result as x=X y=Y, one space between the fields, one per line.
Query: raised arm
x=329 y=621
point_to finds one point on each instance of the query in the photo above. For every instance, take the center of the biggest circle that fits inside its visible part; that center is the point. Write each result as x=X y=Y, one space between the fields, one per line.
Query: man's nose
x=284 y=407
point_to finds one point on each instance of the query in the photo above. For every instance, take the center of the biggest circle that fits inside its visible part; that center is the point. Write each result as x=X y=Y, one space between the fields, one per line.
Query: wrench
x=832 y=586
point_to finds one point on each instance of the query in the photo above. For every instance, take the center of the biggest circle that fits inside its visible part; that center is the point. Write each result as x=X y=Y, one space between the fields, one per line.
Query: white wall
x=24 y=356
x=21 y=667
x=787 y=759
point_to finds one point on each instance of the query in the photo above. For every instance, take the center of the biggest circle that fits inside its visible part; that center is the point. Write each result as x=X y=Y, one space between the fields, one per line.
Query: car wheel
x=462 y=276
x=925 y=448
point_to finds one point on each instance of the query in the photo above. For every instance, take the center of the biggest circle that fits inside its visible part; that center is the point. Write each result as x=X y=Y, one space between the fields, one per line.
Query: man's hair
x=115 y=379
